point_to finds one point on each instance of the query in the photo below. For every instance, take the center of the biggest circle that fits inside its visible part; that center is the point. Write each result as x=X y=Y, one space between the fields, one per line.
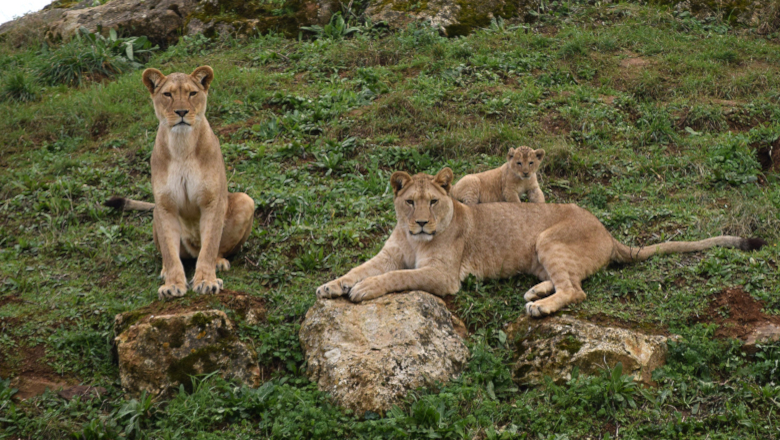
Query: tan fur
x=439 y=241
x=194 y=215
x=505 y=183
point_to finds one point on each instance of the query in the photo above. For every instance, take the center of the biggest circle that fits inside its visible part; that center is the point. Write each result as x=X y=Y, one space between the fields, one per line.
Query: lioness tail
x=123 y=204
x=626 y=254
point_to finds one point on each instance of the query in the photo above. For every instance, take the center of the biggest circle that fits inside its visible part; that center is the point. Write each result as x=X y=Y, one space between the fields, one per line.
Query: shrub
x=20 y=87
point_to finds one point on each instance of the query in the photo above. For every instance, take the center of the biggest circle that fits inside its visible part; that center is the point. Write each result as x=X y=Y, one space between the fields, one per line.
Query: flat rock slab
x=159 y=353
x=766 y=333
x=554 y=346
x=369 y=355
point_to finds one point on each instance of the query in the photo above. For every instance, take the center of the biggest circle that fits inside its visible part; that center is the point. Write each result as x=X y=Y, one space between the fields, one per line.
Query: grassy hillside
x=663 y=126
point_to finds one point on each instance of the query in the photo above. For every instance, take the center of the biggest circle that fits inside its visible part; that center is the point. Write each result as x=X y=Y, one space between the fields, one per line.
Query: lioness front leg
x=388 y=259
x=167 y=233
x=211 y=222
x=536 y=195
x=428 y=279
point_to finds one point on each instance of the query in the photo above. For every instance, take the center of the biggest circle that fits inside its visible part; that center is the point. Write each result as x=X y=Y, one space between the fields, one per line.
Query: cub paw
x=333 y=289
x=207 y=286
x=223 y=264
x=171 y=291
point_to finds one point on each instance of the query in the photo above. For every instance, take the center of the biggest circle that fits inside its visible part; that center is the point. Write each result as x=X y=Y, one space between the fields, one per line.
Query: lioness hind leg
x=567 y=291
x=223 y=264
x=541 y=290
x=238 y=225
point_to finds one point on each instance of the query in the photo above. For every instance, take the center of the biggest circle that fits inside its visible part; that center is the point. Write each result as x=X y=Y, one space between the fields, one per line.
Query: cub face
x=524 y=162
x=423 y=203
x=179 y=99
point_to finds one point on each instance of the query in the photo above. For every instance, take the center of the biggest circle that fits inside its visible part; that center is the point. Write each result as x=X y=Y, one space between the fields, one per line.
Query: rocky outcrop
x=163 y=21
x=761 y=14
x=369 y=355
x=157 y=353
x=452 y=17
x=554 y=346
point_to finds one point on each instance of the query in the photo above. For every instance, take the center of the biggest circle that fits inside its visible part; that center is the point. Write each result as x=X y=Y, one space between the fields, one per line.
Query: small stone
x=765 y=334
x=369 y=355
x=554 y=346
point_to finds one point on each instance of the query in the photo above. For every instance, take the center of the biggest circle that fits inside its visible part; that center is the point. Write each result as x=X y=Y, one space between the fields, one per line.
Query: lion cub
x=194 y=215
x=505 y=183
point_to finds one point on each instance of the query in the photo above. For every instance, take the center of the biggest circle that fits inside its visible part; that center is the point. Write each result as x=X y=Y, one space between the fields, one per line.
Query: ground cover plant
x=663 y=126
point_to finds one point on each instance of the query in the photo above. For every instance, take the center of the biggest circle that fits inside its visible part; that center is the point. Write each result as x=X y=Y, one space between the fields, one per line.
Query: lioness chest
x=183 y=187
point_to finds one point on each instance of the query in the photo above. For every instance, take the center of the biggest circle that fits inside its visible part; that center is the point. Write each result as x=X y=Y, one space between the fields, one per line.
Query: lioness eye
x=519 y=163
x=434 y=201
x=168 y=94
x=530 y=163
x=193 y=93
x=410 y=202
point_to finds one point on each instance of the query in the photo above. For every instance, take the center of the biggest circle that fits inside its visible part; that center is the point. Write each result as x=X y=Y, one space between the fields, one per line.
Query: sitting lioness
x=505 y=183
x=438 y=241
x=194 y=215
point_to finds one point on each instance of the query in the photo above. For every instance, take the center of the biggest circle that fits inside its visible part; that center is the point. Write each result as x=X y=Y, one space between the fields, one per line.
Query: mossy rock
x=159 y=353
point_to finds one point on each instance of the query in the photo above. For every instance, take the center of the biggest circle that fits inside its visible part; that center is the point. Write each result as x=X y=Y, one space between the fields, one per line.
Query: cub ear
x=444 y=179
x=539 y=154
x=400 y=180
x=510 y=154
x=152 y=79
x=203 y=75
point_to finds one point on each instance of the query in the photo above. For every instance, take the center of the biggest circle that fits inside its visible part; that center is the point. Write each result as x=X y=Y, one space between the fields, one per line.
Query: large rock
x=554 y=346
x=163 y=21
x=452 y=17
x=159 y=353
x=369 y=355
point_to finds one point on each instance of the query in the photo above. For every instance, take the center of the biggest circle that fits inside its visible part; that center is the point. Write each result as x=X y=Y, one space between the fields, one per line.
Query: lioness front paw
x=171 y=291
x=537 y=309
x=207 y=286
x=366 y=290
x=223 y=264
x=335 y=288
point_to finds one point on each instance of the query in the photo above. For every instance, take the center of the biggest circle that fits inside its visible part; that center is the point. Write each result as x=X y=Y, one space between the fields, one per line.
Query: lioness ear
x=399 y=180
x=539 y=154
x=444 y=179
x=511 y=154
x=203 y=75
x=152 y=79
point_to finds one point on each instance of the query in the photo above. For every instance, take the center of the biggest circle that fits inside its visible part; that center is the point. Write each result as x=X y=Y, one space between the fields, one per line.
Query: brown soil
x=552 y=124
x=736 y=313
x=32 y=376
x=768 y=156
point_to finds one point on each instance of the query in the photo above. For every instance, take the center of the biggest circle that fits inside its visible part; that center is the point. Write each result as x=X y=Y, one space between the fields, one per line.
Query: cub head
x=523 y=161
x=423 y=203
x=179 y=99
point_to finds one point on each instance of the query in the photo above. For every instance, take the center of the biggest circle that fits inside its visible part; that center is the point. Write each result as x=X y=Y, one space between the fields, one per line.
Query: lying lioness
x=438 y=241
x=194 y=215
x=505 y=183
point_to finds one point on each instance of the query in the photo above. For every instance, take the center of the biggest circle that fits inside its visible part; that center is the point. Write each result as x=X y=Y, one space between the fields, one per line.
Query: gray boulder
x=369 y=355
x=554 y=346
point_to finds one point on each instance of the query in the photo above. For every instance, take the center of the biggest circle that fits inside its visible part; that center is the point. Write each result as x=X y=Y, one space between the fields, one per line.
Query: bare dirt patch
x=552 y=123
x=32 y=376
x=635 y=63
x=736 y=313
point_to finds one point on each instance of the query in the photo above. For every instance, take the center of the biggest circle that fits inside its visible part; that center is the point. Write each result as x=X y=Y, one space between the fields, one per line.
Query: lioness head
x=179 y=99
x=423 y=202
x=523 y=161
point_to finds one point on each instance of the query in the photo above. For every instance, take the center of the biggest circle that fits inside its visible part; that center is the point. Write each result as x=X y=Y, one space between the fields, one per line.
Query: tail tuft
x=118 y=203
x=752 y=244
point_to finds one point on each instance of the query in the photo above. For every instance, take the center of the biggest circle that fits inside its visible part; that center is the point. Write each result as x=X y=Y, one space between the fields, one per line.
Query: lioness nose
x=181 y=112
x=421 y=222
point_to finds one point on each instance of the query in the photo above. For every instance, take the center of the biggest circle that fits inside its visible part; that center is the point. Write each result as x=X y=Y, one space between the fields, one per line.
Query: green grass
x=628 y=102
